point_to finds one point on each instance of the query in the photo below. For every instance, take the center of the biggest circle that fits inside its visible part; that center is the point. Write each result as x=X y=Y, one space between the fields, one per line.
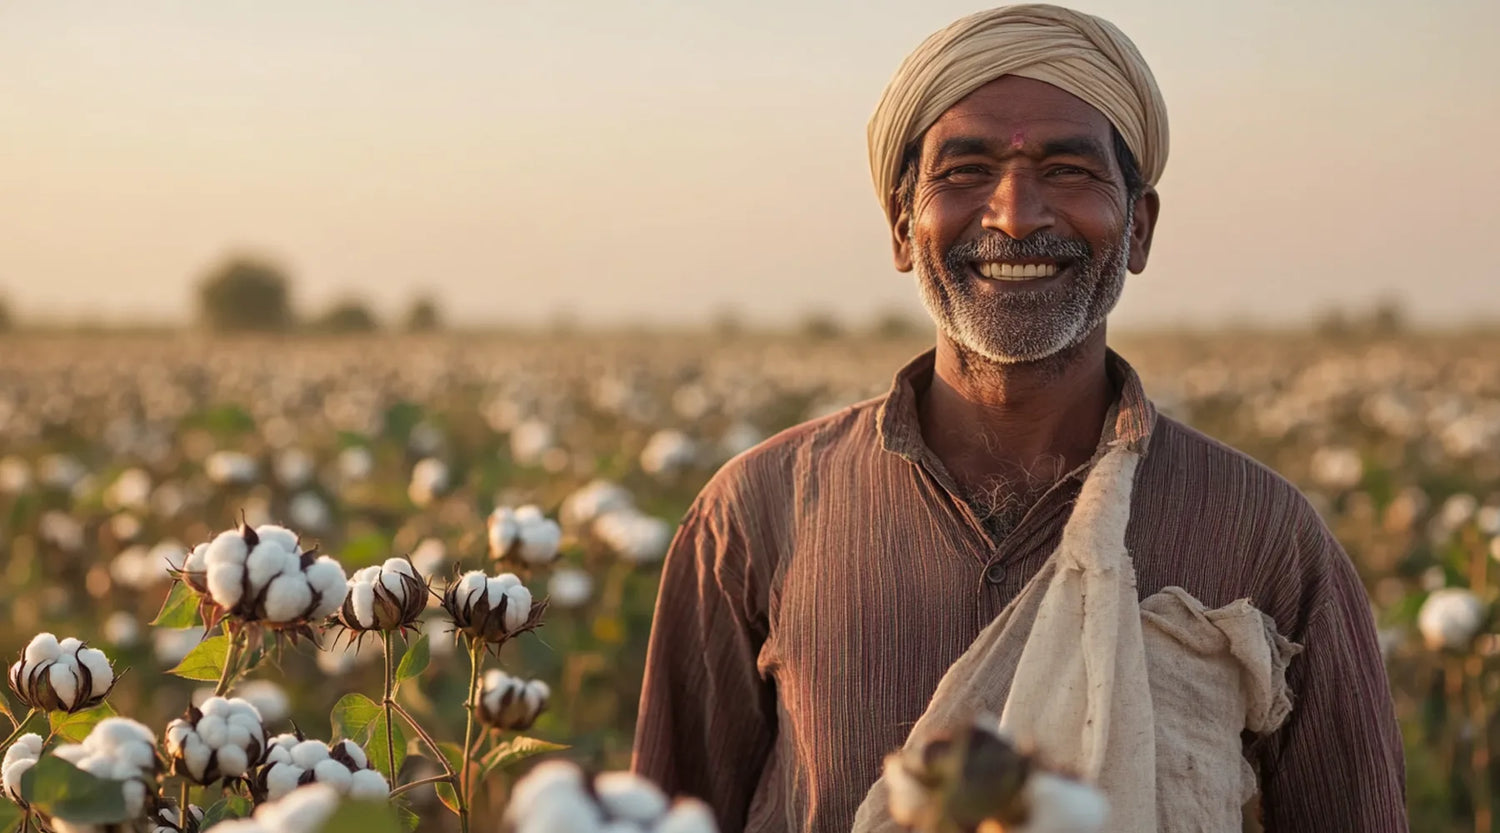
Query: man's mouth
x=1025 y=270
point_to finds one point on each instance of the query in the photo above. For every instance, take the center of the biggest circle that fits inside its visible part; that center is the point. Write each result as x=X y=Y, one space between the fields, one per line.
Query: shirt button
x=995 y=574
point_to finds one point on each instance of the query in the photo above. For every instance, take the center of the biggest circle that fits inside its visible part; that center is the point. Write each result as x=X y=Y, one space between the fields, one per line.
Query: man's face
x=1021 y=228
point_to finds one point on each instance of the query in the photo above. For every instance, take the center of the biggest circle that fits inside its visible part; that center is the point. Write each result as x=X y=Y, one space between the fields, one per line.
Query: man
x=823 y=582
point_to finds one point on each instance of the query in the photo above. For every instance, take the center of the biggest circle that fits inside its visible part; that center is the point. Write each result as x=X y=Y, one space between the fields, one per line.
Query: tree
x=6 y=321
x=423 y=316
x=347 y=316
x=245 y=294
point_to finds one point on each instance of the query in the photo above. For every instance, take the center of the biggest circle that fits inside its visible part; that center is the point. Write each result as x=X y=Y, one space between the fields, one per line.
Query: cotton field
x=424 y=523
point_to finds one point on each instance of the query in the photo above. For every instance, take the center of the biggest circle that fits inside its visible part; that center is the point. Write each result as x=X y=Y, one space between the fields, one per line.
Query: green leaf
x=228 y=807
x=351 y=717
x=76 y=726
x=365 y=550
x=205 y=662
x=455 y=755
x=376 y=748
x=513 y=752
x=180 y=610
x=409 y=821
x=10 y=817
x=66 y=792
x=414 y=661
x=362 y=817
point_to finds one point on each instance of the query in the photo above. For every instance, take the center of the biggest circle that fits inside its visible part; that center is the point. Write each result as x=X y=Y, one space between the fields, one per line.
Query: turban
x=1079 y=53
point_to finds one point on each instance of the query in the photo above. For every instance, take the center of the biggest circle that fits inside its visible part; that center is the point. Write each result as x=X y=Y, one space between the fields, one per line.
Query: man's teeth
x=1016 y=271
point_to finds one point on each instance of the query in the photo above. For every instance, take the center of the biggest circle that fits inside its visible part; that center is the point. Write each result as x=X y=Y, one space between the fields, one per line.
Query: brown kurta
x=824 y=581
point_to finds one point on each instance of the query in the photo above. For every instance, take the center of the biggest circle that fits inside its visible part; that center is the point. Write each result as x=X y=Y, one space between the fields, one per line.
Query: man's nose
x=1018 y=206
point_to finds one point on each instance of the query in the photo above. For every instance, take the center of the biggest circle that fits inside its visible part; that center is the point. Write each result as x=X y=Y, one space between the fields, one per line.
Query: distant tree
x=6 y=321
x=245 y=294
x=728 y=323
x=1388 y=318
x=347 y=316
x=423 y=316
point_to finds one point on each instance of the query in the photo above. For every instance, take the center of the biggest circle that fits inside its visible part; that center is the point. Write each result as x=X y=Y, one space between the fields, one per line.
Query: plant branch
x=385 y=705
x=231 y=662
x=423 y=734
x=20 y=729
x=476 y=654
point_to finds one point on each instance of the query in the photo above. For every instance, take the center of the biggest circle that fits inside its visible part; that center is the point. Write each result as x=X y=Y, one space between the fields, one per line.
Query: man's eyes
x=1052 y=172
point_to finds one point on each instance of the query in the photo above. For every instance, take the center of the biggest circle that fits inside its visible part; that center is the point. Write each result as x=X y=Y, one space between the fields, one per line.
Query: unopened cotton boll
x=384 y=598
x=491 y=608
x=1450 y=619
x=510 y=703
x=66 y=675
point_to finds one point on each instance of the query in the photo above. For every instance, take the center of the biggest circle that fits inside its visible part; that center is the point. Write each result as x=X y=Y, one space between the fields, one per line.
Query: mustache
x=1004 y=247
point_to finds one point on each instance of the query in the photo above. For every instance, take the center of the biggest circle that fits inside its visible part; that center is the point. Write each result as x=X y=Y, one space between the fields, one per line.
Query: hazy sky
x=662 y=159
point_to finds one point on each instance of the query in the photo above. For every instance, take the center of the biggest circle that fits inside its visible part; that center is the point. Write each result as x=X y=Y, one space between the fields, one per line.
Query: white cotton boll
x=98 y=666
x=368 y=575
x=629 y=796
x=214 y=730
x=197 y=559
x=282 y=779
x=539 y=541
x=309 y=753
x=1450 y=618
x=73 y=753
x=227 y=547
x=619 y=827
x=394 y=584
x=1061 y=805
x=269 y=701
x=544 y=779
x=503 y=529
x=19 y=759
x=288 y=598
x=398 y=565
x=472 y=586
x=368 y=785
x=42 y=648
x=327 y=579
x=279 y=748
x=517 y=608
x=233 y=761
x=70 y=646
x=362 y=598
x=63 y=675
x=355 y=752
x=303 y=811
x=597 y=498
x=225 y=583
x=688 y=815
x=135 y=797
x=356 y=463
x=332 y=773
x=309 y=511
x=277 y=535
x=551 y=799
x=267 y=561
x=570 y=587
x=195 y=754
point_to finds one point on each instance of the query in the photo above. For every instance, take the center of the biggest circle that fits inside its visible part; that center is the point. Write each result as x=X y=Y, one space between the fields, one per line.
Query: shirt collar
x=1130 y=420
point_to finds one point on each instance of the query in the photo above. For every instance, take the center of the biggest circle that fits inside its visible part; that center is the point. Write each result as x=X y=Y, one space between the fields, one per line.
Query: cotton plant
x=120 y=750
x=523 y=533
x=292 y=761
x=221 y=739
x=975 y=779
x=559 y=797
x=261 y=575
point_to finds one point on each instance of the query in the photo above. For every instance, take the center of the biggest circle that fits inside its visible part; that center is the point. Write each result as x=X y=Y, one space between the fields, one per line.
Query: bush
x=6 y=321
x=244 y=294
x=348 y=316
x=423 y=316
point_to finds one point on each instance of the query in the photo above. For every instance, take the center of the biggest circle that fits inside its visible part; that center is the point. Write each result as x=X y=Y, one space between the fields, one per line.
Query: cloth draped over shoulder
x=1079 y=53
x=1146 y=699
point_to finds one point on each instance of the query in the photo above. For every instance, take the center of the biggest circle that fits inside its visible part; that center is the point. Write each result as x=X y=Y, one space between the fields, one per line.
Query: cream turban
x=1079 y=53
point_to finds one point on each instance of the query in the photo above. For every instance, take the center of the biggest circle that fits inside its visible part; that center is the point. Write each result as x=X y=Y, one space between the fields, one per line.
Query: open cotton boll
x=628 y=796
x=517 y=608
x=19 y=759
x=1061 y=805
x=42 y=648
x=503 y=530
x=368 y=785
x=103 y=676
x=635 y=537
x=326 y=577
x=667 y=452
x=303 y=811
x=288 y=598
x=1450 y=619
x=539 y=540
x=267 y=561
x=570 y=587
x=593 y=500
x=688 y=815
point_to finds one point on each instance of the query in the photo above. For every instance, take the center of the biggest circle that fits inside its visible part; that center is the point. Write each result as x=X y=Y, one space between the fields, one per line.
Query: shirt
x=823 y=582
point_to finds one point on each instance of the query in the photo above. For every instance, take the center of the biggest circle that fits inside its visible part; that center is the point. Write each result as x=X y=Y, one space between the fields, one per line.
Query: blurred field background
x=120 y=448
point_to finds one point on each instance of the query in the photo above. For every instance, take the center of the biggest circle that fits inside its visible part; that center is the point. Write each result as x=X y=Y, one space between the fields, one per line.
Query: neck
x=987 y=421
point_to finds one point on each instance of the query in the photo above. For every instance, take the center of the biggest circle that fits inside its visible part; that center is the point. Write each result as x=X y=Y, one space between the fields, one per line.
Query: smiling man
x=826 y=582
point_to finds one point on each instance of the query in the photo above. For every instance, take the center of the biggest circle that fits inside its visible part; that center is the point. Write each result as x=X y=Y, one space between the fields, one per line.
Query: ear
x=1143 y=228
x=900 y=235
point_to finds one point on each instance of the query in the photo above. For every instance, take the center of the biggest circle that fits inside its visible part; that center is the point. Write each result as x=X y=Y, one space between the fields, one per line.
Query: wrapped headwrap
x=1076 y=52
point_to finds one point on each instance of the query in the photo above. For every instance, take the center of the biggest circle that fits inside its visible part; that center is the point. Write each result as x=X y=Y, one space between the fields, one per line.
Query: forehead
x=1016 y=111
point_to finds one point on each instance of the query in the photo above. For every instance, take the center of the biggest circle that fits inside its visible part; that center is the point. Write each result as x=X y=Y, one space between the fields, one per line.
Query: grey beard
x=1017 y=327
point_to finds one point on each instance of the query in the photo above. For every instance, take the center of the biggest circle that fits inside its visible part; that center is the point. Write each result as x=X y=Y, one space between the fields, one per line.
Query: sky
x=661 y=161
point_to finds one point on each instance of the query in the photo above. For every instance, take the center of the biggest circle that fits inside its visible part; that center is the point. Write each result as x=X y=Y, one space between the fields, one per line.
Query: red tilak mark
x=1018 y=139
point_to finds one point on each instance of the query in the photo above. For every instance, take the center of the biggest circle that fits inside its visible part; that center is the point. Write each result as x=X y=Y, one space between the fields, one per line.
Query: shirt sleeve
x=1337 y=765
x=707 y=716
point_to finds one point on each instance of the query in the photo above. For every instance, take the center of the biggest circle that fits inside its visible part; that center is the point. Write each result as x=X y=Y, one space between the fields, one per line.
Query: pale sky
x=663 y=159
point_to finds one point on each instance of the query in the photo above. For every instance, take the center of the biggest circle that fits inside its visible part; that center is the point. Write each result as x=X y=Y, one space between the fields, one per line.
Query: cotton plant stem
x=20 y=729
x=182 y=806
x=1479 y=759
x=423 y=734
x=476 y=653
x=231 y=663
x=390 y=685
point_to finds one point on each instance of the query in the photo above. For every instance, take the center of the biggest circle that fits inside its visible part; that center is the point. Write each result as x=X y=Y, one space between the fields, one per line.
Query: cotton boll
x=327 y=579
x=397 y=565
x=267 y=561
x=304 y=811
x=362 y=598
x=334 y=774
x=228 y=547
x=195 y=754
x=288 y=598
x=42 y=648
x=1060 y=805
x=368 y=784
x=268 y=699
x=70 y=646
x=688 y=815
x=63 y=676
x=1450 y=618
x=225 y=583
x=233 y=761
x=472 y=586
x=353 y=752
x=570 y=587
x=98 y=666
x=539 y=541
x=282 y=779
x=503 y=530
x=278 y=536
x=629 y=796
x=309 y=753
x=517 y=608
x=214 y=730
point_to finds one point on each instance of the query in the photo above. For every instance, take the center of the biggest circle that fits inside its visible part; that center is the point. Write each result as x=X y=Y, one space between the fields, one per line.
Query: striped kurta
x=823 y=582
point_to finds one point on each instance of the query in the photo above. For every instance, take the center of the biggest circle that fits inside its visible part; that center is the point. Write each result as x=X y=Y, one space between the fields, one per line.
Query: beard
x=1017 y=327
